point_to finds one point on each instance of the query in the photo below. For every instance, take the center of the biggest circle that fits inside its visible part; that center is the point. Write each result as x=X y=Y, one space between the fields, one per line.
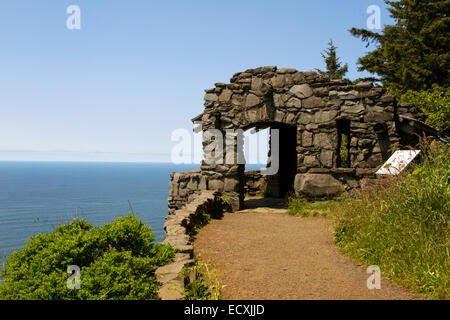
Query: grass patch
x=304 y=208
x=402 y=226
x=203 y=282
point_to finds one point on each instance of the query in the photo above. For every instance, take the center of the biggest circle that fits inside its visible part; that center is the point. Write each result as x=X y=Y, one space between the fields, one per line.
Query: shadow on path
x=273 y=203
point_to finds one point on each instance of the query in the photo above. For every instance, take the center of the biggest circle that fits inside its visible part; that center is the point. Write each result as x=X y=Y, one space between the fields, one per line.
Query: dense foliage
x=412 y=54
x=334 y=70
x=117 y=261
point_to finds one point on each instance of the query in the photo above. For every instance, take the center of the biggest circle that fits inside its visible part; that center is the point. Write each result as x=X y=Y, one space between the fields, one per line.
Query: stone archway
x=319 y=109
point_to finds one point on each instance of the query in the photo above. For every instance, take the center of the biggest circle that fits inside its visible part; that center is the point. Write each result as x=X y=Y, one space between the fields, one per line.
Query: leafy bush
x=117 y=261
x=403 y=226
x=435 y=103
x=226 y=204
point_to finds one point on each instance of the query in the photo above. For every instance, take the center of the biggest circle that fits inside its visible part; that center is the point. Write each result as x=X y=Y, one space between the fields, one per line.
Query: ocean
x=36 y=197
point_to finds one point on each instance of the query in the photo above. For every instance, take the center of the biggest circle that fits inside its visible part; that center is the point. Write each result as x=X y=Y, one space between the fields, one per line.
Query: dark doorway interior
x=288 y=159
x=281 y=184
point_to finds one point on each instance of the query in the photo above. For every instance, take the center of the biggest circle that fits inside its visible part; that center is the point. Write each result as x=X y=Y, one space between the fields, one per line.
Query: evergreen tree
x=414 y=53
x=334 y=69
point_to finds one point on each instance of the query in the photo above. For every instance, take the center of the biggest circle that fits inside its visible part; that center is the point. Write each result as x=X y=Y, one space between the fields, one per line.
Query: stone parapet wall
x=183 y=187
x=177 y=228
x=255 y=183
x=186 y=186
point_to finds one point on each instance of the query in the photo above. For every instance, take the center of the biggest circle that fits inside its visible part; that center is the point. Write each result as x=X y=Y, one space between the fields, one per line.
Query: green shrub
x=117 y=261
x=226 y=204
x=403 y=226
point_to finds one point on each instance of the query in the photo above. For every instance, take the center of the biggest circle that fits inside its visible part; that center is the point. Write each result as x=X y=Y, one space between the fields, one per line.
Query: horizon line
x=93 y=161
x=137 y=162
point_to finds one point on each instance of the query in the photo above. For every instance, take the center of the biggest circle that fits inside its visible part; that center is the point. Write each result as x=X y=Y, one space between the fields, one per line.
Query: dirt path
x=264 y=255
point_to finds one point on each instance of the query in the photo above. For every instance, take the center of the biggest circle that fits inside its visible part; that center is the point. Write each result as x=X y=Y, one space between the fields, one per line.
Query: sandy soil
x=264 y=254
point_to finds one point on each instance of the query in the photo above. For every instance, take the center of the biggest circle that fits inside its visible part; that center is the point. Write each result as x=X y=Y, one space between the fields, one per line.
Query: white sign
x=398 y=161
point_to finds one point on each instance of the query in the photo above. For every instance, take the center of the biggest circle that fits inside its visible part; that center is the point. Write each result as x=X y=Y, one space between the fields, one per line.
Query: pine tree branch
x=366 y=36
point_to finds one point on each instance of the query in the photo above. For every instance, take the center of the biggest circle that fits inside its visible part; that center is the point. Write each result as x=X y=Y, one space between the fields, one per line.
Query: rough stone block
x=326 y=158
x=231 y=184
x=313 y=102
x=310 y=161
x=278 y=81
x=324 y=140
x=325 y=116
x=355 y=109
x=317 y=185
x=211 y=97
x=278 y=100
x=306 y=118
x=301 y=91
x=225 y=96
x=252 y=100
x=307 y=139
x=294 y=102
x=352 y=95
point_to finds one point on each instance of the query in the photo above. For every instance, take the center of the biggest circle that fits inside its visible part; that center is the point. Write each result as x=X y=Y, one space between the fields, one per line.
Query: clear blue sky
x=116 y=89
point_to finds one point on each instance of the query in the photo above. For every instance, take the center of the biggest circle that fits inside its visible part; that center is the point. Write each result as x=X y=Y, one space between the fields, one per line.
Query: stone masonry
x=313 y=114
x=255 y=183
x=177 y=228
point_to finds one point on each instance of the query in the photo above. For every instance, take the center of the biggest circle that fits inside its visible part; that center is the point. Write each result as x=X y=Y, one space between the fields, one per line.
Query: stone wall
x=186 y=186
x=255 y=183
x=177 y=228
x=183 y=187
x=312 y=113
x=411 y=111
x=318 y=111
